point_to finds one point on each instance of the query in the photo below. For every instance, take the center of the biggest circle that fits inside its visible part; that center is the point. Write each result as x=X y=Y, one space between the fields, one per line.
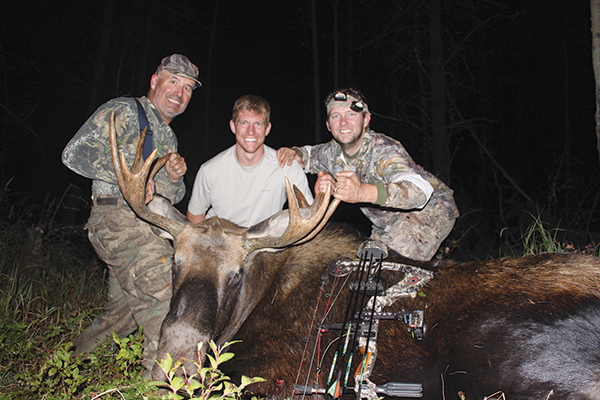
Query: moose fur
x=284 y=286
x=526 y=327
x=521 y=328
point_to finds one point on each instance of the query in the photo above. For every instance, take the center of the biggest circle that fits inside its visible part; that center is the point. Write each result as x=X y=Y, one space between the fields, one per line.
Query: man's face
x=250 y=130
x=170 y=94
x=348 y=127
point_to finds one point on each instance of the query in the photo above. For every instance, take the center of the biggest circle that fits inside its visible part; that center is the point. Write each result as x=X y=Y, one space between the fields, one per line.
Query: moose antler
x=133 y=182
x=298 y=229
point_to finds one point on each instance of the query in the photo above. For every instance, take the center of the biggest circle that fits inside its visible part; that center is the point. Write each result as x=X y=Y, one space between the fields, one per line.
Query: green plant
x=60 y=374
x=538 y=239
x=51 y=286
x=38 y=316
x=115 y=366
x=207 y=383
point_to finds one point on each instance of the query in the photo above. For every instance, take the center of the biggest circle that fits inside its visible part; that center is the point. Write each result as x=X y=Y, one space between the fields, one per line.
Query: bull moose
x=527 y=327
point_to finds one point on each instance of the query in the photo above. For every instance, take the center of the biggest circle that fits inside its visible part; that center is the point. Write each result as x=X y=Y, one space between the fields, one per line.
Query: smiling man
x=139 y=262
x=244 y=184
x=411 y=210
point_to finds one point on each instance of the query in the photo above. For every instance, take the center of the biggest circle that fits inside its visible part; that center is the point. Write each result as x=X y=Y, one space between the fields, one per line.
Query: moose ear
x=274 y=225
x=163 y=206
x=302 y=223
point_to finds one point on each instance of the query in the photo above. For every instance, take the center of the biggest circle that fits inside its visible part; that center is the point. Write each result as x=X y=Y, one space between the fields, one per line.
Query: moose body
x=528 y=327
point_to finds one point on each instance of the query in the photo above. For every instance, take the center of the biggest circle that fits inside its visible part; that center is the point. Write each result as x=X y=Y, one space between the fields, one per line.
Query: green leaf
x=195 y=385
x=177 y=383
x=166 y=363
x=225 y=357
x=248 y=381
x=213 y=363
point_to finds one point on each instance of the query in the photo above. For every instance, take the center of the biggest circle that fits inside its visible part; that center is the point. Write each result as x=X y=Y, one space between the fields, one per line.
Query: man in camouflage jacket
x=139 y=262
x=411 y=210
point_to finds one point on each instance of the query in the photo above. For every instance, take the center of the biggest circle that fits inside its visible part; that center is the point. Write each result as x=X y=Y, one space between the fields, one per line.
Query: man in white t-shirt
x=244 y=184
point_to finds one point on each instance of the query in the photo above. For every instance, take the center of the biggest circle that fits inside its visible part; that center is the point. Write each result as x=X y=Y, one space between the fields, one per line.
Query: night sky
x=520 y=73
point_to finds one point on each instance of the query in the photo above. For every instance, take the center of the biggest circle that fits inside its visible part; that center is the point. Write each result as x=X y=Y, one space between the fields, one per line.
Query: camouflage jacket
x=385 y=163
x=88 y=152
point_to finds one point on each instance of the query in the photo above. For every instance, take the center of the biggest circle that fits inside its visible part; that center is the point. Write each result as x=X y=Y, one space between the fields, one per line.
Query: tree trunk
x=317 y=78
x=336 y=46
x=595 y=13
x=145 y=72
x=206 y=86
x=349 y=39
x=101 y=59
x=441 y=157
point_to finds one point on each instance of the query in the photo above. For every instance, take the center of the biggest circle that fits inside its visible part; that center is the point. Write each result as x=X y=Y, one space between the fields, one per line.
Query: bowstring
x=317 y=347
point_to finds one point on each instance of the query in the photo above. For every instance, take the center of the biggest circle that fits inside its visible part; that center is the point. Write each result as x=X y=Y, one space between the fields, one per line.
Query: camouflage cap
x=178 y=64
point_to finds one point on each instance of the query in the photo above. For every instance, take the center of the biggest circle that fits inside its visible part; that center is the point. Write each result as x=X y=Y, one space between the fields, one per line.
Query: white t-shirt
x=244 y=195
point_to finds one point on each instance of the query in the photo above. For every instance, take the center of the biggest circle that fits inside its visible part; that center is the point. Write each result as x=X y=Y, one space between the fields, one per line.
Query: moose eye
x=236 y=278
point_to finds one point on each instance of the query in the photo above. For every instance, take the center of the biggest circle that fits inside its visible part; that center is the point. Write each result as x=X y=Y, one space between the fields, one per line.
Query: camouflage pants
x=139 y=282
x=418 y=234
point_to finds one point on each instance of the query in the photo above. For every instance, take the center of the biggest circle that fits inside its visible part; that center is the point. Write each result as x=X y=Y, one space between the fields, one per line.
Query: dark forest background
x=495 y=97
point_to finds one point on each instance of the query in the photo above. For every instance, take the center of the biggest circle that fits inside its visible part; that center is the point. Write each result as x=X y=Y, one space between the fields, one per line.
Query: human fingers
x=325 y=183
x=343 y=175
x=175 y=167
x=286 y=156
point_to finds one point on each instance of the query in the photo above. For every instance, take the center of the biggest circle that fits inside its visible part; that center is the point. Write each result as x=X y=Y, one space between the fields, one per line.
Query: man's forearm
x=194 y=219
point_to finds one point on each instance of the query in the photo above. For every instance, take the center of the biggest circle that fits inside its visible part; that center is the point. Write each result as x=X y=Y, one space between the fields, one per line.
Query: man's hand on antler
x=325 y=183
x=175 y=167
x=350 y=189
x=346 y=187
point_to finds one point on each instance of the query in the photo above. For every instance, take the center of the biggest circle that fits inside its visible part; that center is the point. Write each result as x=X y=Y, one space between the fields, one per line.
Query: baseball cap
x=180 y=65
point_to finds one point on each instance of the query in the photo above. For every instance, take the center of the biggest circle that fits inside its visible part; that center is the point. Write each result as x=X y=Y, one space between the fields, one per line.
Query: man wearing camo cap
x=139 y=262
x=411 y=210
